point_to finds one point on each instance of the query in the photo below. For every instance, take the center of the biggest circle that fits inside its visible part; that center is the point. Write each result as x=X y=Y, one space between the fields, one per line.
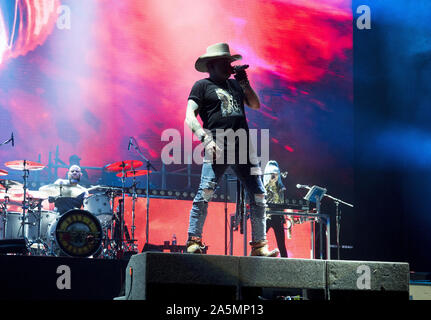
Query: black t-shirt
x=221 y=105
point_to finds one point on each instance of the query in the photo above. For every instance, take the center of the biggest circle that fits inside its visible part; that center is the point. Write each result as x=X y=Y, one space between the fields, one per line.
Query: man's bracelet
x=206 y=139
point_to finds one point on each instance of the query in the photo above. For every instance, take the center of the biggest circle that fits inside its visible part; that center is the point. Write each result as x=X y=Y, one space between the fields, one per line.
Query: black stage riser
x=188 y=277
x=58 y=278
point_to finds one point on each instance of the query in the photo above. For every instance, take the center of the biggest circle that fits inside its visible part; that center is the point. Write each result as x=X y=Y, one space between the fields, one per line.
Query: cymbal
x=24 y=165
x=52 y=190
x=65 y=190
x=103 y=188
x=133 y=173
x=35 y=194
x=3 y=172
x=124 y=165
x=10 y=184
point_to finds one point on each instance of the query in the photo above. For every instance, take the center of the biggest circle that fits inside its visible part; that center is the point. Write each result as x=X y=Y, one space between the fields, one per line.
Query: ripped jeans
x=210 y=176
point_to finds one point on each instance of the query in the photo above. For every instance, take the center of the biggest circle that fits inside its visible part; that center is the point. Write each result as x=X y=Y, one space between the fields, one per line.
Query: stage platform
x=158 y=276
x=206 y=278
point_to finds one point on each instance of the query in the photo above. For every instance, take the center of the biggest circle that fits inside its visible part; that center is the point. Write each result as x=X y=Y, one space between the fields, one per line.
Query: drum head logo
x=78 y=233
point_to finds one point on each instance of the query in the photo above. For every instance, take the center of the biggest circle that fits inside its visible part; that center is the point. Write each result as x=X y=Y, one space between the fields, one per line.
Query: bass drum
x=77 y=233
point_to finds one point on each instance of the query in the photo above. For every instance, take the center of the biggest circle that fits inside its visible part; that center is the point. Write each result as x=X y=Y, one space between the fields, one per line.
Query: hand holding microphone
x=240 y=75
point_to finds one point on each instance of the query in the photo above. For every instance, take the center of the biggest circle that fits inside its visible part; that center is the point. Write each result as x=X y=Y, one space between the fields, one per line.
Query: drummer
x=69 y=193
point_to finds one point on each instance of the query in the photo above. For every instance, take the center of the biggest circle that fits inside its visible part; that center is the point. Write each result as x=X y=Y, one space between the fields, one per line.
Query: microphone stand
x=225 y=215
x=338 y=220
x=337 y=213
x=26 y=173
x=226 y=176
x=148 y=166
x=3 y=215
x=8 y=140
x=123 y=201
x=134 y=197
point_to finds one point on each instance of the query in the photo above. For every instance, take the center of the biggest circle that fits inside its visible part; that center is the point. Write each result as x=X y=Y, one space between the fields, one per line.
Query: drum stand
x=133 y=227
x=123 y=198
x=125 y=240
x=3 y=218
x=106 y=243
x=24 y=200
x=108 y=251
x=119 y=249
x=25 y=207
x=38 y=215
x=39 y=241
x=25 y=166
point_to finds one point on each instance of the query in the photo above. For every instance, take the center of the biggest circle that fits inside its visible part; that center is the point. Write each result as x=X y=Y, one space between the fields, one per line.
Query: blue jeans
x=210 y=176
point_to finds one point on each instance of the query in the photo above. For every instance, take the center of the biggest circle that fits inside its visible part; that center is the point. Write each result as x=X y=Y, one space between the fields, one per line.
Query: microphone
x=237 y=69
x=130 y=143
x=302 y=186
x=11 y=139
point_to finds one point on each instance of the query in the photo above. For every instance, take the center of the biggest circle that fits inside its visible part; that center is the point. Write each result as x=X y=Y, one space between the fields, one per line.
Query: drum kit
x=84 y=222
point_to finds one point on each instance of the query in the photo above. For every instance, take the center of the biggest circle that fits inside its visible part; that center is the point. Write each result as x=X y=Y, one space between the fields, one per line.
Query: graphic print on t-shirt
x=229 y=105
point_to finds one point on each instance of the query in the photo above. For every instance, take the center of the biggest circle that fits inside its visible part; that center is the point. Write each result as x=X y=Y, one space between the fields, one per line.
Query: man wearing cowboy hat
x=219 y=101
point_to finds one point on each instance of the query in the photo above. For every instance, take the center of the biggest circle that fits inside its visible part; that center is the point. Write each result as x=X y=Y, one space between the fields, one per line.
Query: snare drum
x=100 y=206
x=77 y=233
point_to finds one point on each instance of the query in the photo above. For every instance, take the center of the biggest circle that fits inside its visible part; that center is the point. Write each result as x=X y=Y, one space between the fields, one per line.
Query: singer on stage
x=219 y=101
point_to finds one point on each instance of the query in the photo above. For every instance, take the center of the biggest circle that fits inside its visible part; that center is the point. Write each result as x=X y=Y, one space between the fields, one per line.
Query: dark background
x=392 y=73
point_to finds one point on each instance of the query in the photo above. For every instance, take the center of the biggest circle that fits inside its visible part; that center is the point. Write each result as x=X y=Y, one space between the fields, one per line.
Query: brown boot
x=260 y=248
x=195 y=245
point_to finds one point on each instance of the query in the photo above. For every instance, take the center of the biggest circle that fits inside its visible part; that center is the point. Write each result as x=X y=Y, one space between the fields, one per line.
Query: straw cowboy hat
x=215 y=51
